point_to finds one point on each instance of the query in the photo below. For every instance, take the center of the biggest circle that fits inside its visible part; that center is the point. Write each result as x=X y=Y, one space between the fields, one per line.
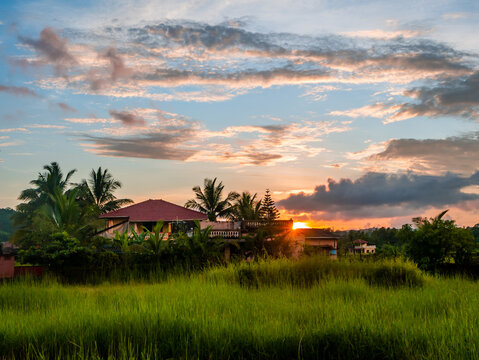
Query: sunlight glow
x=300 y=225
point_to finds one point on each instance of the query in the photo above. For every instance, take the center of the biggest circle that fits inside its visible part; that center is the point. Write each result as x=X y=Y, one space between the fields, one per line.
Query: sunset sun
x=300 y=225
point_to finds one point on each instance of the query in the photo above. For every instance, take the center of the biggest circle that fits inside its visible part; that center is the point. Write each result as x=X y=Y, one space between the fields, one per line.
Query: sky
x=355 y=114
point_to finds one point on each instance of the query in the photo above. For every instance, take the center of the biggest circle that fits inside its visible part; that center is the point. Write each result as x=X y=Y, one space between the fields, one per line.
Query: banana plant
x=154 y=240
x=122 y=240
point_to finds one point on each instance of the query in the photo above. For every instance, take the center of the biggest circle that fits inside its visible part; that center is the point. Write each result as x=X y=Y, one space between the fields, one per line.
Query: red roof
x=155 y=210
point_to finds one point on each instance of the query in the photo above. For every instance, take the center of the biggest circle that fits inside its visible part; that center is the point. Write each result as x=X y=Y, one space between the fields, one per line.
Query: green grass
x=307 y=309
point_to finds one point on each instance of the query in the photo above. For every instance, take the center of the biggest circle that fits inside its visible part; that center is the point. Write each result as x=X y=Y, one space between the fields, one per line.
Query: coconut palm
x=210 y=200
x=39 y=195
x=247 y=207
x=98 y=191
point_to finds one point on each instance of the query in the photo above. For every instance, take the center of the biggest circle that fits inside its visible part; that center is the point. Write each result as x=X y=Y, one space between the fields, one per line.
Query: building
x=317 y=240
x=147 y=214
x=362 y=247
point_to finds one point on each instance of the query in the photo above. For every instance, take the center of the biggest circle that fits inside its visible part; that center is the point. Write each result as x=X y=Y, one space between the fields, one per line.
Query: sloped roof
x=316 y=233
x=154 y=210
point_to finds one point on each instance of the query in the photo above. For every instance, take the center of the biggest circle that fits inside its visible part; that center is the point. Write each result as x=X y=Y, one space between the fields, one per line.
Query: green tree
x=209 y=200
x=247 y=207
x=34 y=198
x=437 y=241
x=6 y=224
x=99 y=190
x=268 y=210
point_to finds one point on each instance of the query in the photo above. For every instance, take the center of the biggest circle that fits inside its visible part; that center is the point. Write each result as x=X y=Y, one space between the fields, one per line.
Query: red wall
x=7 y=266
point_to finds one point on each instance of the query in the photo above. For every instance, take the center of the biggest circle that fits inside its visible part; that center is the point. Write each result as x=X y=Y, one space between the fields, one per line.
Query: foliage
x=247 y=207
x=268 y=209
x=99 y=190
x=436 y=241
x=6 y=224
x=210 y=200
x=35 y=198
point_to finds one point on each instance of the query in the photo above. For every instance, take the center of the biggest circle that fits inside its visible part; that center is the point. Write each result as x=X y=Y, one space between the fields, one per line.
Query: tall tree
x=34 y=198
x=269 y=211
x=247 y=207
x=209 y=200
x=98 y=191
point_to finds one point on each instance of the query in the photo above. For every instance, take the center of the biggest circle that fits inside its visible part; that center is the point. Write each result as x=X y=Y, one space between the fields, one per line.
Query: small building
x=322 y=241
x=147 y=214
x=362 y=247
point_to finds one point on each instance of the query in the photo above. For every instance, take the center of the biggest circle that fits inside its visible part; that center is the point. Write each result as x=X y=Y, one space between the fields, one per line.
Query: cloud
x=154 y=145
x=66 y=107
x=46 y=126
x=93 y=120
x=53 y=49
x=14 y=130
x=128 y=118
x=380 y=195
x=118 y=70
x=230 y=61
x=433 y=156
x=19 y=91
x=455 y=96
x=451 y=97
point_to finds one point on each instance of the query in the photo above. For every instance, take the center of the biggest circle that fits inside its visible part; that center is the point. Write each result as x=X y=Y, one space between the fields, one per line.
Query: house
x=147 y=213
x=319 y=240
x=362 y=247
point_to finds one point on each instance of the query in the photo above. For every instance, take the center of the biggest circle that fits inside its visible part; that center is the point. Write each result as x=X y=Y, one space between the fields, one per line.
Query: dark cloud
x=458 y=154
x=66 y=107
x=128 y=118
x=451 y=97
x=53 y=49
x=382 y=195
x=19 y=91
x=163 y=145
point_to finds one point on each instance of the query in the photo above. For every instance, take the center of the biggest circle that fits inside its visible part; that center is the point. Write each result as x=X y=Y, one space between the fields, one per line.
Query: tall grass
x=289 y=312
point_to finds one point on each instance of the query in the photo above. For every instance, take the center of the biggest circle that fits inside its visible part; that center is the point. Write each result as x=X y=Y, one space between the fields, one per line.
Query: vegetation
x=247 y=207
x=6 y=224
x=213 y=315
x=269 y=211
x=209 y=200
x=55 y=205
x=99 y=190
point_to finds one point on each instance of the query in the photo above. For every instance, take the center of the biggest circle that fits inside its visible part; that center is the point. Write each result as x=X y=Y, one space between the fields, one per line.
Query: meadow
x=276 y=309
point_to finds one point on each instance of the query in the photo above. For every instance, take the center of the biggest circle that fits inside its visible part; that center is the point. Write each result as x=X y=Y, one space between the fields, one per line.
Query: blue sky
x=353 y=113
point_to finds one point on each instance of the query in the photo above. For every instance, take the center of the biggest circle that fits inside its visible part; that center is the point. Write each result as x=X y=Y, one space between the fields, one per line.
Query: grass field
x=277 y=309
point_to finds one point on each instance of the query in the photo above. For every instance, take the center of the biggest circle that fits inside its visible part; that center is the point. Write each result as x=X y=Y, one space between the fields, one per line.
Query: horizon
x=355 y=116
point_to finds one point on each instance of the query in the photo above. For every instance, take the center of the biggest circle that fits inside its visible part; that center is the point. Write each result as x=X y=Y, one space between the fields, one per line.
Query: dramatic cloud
x=457 y=154
x=457 y=96
x=128 y=118
x=231 y=60
x=451 y=97
x=382 y=195
x=18 y=91
x=53 y=49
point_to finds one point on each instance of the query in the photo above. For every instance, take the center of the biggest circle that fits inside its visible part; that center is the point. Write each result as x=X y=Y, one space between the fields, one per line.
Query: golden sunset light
x=300 y=225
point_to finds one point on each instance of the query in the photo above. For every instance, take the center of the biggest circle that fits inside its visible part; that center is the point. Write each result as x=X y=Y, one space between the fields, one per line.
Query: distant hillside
x=6 y=226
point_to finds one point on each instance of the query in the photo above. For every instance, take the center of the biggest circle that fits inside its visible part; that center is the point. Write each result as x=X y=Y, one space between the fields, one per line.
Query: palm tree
x=38 y=196
x=210 y=200
x=64 y=212
x=247 y=208
x=98 y=191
